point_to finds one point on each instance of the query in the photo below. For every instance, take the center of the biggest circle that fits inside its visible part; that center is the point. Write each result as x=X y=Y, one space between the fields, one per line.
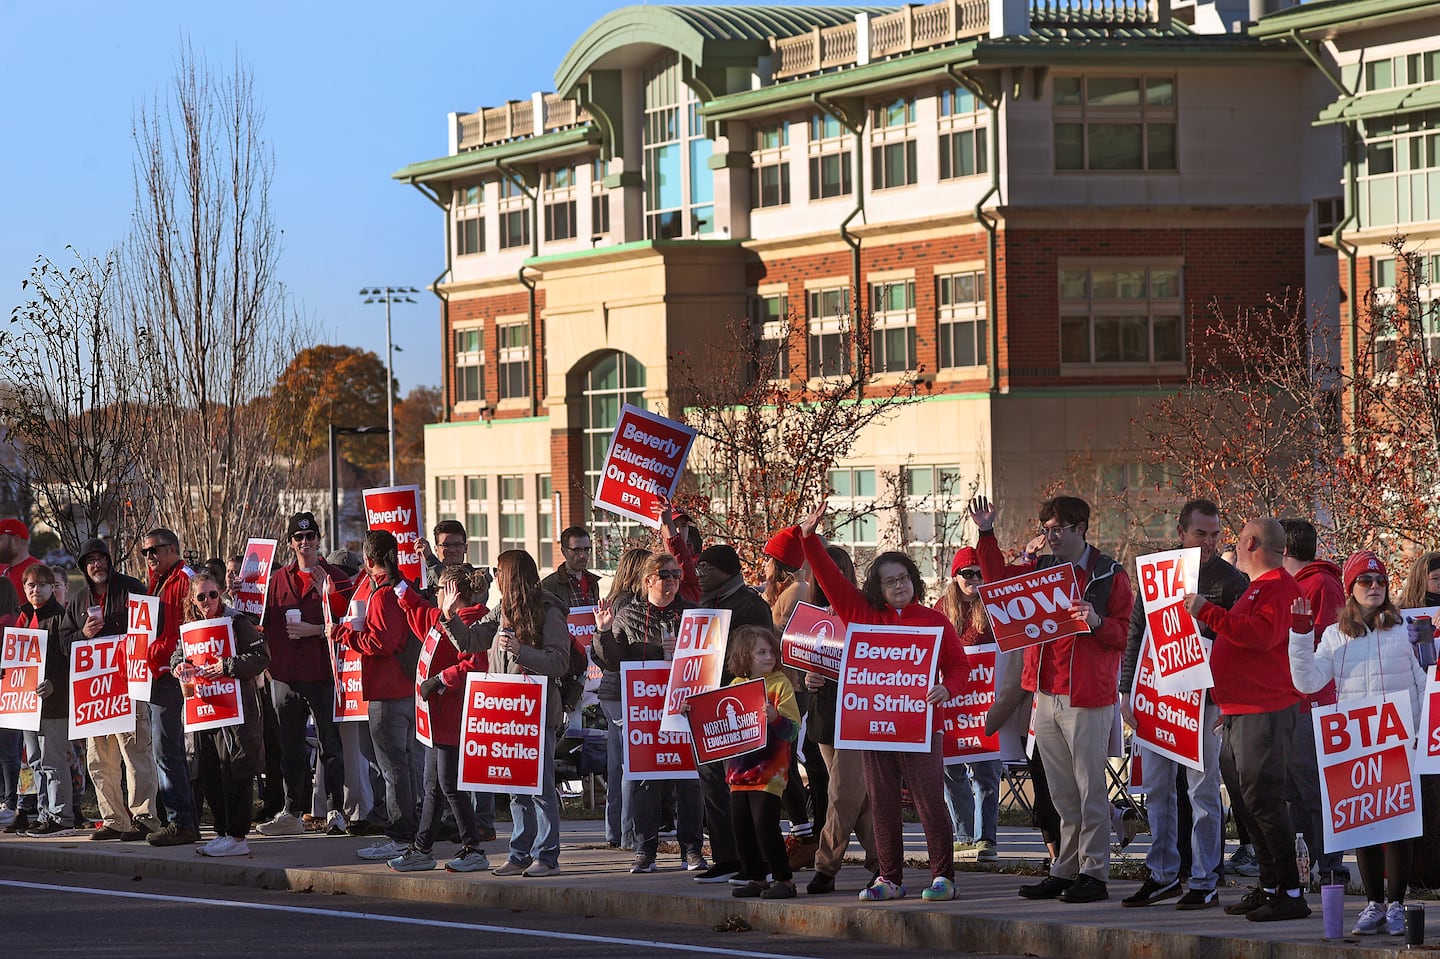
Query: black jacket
x=634 y=637
x=241 y=746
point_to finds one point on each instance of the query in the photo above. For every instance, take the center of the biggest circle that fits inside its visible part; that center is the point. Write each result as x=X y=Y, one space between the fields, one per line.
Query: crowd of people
x=1289 y=632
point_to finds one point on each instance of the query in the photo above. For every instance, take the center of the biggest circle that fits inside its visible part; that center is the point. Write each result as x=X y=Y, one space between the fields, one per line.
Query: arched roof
x=697 y=32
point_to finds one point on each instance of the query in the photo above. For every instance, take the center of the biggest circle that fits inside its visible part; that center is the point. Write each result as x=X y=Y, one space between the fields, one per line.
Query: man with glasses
x=169 y=581
x=1075 y=682
x=450 y=537
x=301 y=676
x=572 y=580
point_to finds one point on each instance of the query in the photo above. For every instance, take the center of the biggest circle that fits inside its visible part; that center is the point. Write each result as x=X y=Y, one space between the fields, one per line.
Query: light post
x=335 y=432
x=387 y=295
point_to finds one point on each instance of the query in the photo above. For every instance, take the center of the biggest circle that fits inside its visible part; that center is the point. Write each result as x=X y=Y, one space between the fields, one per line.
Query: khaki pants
x=1074 y=743
x=103 y=756
x=849 y=809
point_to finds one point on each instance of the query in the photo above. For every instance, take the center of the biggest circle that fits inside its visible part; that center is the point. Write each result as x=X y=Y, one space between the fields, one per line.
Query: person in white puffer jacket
x=1367 y=652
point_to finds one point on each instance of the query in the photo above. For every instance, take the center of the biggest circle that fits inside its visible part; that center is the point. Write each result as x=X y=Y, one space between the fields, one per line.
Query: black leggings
x=228 y=789
x=1385 y=867
x=755 y=816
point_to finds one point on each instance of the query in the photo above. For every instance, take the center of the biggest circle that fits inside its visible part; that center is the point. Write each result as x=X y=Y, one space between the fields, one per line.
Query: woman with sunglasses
x=229 y=758
x=1366 y=652
x=643 y=630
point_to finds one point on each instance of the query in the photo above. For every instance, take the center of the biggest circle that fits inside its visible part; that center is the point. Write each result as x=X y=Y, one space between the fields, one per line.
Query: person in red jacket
x=15 y=556
x=1076 y=682
x=892 y=595
x=1259 y=704
x=389 y=686
x=167 y=579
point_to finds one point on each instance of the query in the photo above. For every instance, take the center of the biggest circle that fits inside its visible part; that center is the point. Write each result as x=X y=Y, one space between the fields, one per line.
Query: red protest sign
x=502 y=734
x=650 y=751
x=422 y=673
x=962 y=716
x=813 y=640
x=1368 y=780
x=255 y=576
x=22 y=659
x=728 y=722
x=351 y=706
x=1427 y=759
x=581 y=623
x=144 y=615
x=1032 y=608
x=100 y=703
x=646 y=457
x=1167 y=723
x=885 y=675
x=396 y=509
x=699 y=661
x=1180 y=655
x=209 y=703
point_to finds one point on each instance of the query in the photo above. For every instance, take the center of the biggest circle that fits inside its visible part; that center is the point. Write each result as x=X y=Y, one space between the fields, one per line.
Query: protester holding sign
x=891 y=596
x=1366 y=653
x=619 y=820
x=1074 y=679
x=10 y=739
x=102 y=609
x=230 y=757
x=41 y=611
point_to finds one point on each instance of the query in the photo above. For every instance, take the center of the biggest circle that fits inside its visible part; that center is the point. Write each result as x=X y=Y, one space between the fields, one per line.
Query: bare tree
x=209 y=312
x=69 y=410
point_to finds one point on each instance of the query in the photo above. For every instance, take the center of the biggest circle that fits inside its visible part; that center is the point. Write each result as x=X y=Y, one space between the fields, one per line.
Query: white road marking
x=403 y=920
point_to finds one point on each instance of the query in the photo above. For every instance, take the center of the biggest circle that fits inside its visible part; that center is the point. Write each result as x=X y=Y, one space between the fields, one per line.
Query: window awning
x=1380 y=103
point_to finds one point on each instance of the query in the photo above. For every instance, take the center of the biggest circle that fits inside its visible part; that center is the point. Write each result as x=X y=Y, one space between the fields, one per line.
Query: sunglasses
x=203 y=597
x=669 y=574
x=305 y=537
x=154 y=550
x=1371 y=579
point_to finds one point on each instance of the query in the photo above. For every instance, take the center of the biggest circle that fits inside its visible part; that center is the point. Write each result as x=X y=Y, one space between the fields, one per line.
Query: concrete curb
x=910 y=922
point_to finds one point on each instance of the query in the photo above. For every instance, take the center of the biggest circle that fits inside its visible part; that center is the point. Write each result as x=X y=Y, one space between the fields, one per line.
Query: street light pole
x=387 y=295
x=335 y=432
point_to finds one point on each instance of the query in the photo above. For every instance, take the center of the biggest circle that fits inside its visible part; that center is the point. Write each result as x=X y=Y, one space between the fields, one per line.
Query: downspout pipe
x=525 y=281
x=445 y=368
x=858 y=129
x=987 y=222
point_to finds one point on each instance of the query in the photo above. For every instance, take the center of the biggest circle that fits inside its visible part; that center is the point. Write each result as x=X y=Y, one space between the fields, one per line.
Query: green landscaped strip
x=1337 y=13
x=1380 y=103
x=478 y=160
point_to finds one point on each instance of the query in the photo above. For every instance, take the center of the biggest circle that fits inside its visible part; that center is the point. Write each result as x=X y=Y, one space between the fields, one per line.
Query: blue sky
x=351 y=92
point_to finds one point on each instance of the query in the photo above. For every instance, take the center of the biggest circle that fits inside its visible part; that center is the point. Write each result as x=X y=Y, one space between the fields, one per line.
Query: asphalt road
x=66 y=914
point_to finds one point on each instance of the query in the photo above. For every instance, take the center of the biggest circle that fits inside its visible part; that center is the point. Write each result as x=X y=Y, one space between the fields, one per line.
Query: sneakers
x=1372 y=918
x=511 y=868
x=52 y=829
x=801 y=850
x=1395 y=919
x=940 y=890
x=222 y=846
x=1252 y=900
x=717 y=873
x=1125 y=823
x=881 y=890
x=18 y=824
x=148 y=824
x=134 y=835
x=784 y=889
x=643 y=863
x=1198 y=899
x=751 y=890
x=1280 y=906
x=965 y=849
x=1151 y=892
x=7 y=815
x=106 y=834
x=381 y=851
x=1085 y=889
x=1048 y=888
x=540 y=870
x=283 y=825
x=986 y=851
x=412 y=860
x=695 y=862
x=173 y=835
x=821 y=884
x=334 y=823
x=1242 y=862
x=468 y=859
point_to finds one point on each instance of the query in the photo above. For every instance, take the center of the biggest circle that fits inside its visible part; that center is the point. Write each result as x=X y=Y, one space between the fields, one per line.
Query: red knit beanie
x=1364 y=561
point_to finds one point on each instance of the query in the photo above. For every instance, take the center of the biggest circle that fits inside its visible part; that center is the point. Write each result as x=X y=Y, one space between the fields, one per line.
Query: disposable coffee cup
x=186 y=673
x=292 y=616
x=95 y=612
x=1332 y=905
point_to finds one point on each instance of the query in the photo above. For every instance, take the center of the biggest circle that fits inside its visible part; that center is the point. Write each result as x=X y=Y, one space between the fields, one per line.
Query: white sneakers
x=283 y=824
x=388 y=849
x=334 y=823
x=224 y=846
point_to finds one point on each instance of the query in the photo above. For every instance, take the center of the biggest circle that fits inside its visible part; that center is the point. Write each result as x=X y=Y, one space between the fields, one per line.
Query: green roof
x=1330 y=17
x=703 y=35
x=1381 y=103
x=483 y=160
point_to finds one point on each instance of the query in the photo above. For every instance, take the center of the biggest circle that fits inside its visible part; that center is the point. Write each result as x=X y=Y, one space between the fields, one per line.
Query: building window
x=960 y=302
x=830 y=163
x=469 y=365
x=771 y=317
x=852 y=501
x=469 y=224
x=893 y=334
x=615 y=379
x=599 y=200
x=679 y=185
x=477 y=520
x=545 y=552
x=514 y=359
x=770 y=162
x=1115 y=123
x=963 y=153
x=1418 y=316
x=1329 y=211
x=1400 y=171
x=828 y=320
x=512 y=513
x=934 y=511
x=514 y=215
x=1406 y=70
x=445 y=504
x=560 y=203
x=892 y=144
x=1121 y=314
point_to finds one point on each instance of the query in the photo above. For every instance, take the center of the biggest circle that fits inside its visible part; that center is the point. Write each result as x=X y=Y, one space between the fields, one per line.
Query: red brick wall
x=461 y=311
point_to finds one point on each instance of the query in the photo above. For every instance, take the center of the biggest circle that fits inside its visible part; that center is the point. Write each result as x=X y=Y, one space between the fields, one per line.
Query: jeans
x=535 y=820
x=167 y=736
x=292 y=702
x=1207 y=838
x=442 y=781
x=54 y=766
x=619 y=823
x=967 y=784
x=392 y=730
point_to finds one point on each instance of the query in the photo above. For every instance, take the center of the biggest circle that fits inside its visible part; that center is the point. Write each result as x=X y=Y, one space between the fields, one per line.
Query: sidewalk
x=989 y=917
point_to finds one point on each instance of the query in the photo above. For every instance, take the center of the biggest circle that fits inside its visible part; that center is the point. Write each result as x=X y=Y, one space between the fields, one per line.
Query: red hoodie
x=1251 y=656
x=1320 y=582
x=447 y=705
x=173 y=588
x=383 y=634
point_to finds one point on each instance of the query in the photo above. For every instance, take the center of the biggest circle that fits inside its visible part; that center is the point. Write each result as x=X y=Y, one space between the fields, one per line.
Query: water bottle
x=1302 y=860
x=1424 y=641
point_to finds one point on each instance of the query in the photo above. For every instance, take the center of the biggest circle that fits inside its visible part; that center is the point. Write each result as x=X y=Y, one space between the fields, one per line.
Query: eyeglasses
x=894 y=582
x=1052 y=532
x=305 y=537
x=39 y=585
x=452 y=544
x=669 y=574
x=970 y=574
x=204 y=597
x=1372 y=579
x=577 y=549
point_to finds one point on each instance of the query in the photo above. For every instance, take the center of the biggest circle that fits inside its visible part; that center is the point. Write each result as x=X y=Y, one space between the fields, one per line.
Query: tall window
x=960 y=301
x=772 y=333
x=514 y=215
x=512 y=513
x=514 y=359
x=853 y=500
x=615 y=379
x=469 y=224
x=830 y=163
x=1418 y=317
x=893 y=336
x=477 y=520
x=1121 y=314
x=469 y=365
x=679 y=185
x=1329 y=211
x=445 y=505
x=892 y=144
x=770 y=163
x=935 y=498
x=828 y=319
x=545 y=553
x=962 y=140
x=560 y=203
x=1115 y=123
x=1400 y=171
x=599 y=200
